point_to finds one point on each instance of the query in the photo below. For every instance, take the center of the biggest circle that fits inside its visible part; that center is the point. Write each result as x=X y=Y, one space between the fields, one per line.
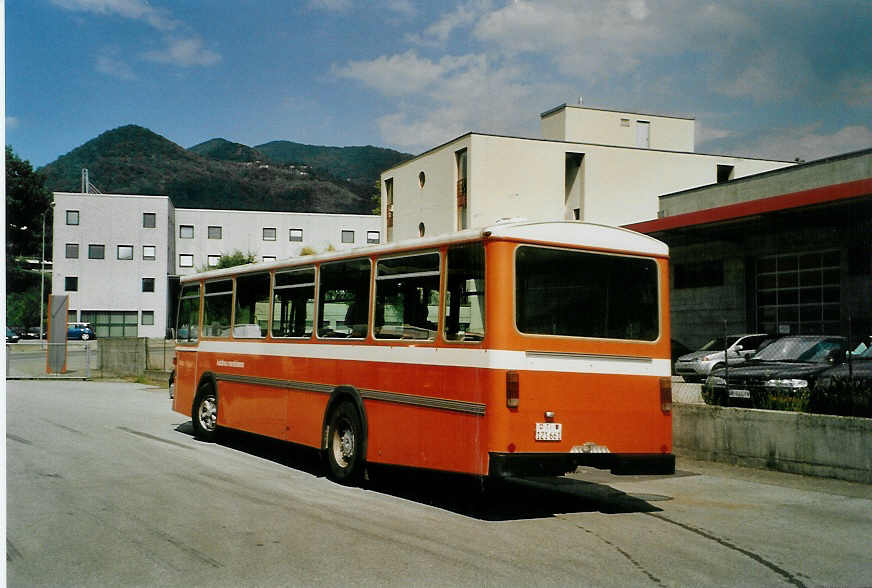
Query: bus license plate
x=740 y=393
x=549 y=431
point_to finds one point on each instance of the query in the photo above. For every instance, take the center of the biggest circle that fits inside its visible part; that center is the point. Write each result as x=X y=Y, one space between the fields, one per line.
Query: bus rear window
x=582 y=294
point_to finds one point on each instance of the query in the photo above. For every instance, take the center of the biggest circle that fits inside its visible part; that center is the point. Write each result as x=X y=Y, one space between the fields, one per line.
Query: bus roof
x=545 y=232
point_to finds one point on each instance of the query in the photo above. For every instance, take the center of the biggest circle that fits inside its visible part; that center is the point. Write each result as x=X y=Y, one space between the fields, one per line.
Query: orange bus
x=519 y=349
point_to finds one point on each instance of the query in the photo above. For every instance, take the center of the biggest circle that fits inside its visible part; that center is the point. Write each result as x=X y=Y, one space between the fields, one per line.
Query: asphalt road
x=106 y=486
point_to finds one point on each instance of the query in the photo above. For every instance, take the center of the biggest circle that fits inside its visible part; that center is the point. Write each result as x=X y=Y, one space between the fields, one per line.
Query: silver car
x=696 y=366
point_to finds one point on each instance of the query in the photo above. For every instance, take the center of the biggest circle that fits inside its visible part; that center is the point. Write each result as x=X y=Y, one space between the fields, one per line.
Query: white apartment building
x=118 y=256
x=596 y=165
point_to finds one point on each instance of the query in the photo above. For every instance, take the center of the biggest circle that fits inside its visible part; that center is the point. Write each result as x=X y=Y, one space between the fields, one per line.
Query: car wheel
x=344 y=436
x=205 y=414
x=85 y=336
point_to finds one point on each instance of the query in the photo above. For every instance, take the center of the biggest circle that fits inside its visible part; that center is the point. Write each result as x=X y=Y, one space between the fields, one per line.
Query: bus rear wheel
x=345 y=445
x=205 y=414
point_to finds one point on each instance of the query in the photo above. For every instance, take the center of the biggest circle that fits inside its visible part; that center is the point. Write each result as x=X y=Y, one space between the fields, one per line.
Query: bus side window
x=217 y=307
x=188 y=324
x=407 y=297
x=464 y=293
x=252 y=306
x=343 y=299
x=294 y=303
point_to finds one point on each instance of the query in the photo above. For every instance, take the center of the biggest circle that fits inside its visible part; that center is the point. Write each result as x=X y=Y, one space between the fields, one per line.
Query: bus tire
x=204 y=413
x=344 y=435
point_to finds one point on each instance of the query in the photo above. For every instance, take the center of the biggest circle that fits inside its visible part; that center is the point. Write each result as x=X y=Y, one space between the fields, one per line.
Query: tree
x=26 y=201
x=235 y=258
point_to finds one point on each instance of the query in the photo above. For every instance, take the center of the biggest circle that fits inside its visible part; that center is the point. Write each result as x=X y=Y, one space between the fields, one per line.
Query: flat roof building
x=594 y=165
x=118 y=256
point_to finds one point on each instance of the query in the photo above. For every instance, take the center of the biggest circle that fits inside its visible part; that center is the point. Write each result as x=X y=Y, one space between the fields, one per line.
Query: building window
x=72 y=251
x=725 y=173
x=213 y=260
x=96 y=251
x=214 y=232
x=149 y=252
x=186 y=260
x=112 y=323
x=269 y=233
x=71 y=284
x=72 y=217
x=348 y=236
x=147 y=317
x=269 y=257
x=422 y=179
x=296 y=235
x=125 y=252
x=186 y=231
x=373 y=237
x=625 y=122
x=148 y=284
x=149 y=220
x=698 y=274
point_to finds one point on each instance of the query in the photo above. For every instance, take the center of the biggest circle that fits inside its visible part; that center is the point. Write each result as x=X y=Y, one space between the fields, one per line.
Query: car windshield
x=798 y=349
x=717 y=344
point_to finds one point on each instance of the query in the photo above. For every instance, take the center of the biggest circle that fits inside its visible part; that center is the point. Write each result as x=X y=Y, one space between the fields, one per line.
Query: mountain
x=355 y=164
x=134 y=160
x=227 y=151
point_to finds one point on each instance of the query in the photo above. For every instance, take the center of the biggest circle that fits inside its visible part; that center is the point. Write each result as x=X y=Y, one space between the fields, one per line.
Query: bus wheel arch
x=345 y=434
x=204 y=410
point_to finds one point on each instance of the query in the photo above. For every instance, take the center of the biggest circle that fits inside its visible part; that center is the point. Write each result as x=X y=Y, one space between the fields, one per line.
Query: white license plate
x=740 y=393
x=549 y=431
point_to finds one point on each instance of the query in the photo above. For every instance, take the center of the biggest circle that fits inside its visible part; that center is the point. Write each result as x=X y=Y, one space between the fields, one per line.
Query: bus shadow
x=481 y=498
x=503 y=500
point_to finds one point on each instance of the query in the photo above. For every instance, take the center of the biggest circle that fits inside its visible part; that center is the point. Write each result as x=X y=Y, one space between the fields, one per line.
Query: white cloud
x=809 y=144
x=401 y=74
x=13 y=122
x=132 y=9
x=465 y=15
x=330 y=5
x=856 y=90
x=184 y=53
x=110 y=64
x=403 y=8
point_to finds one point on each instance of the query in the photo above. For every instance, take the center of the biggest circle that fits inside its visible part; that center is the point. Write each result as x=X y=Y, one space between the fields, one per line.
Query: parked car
x=858 y=369
x=678 y=349
x=32 y=333
x=697 y=365
x=11 y=336
x=789 y=364
x=82 y=331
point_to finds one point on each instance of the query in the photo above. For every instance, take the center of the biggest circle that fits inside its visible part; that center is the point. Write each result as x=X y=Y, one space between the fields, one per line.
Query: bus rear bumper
x=503 y=465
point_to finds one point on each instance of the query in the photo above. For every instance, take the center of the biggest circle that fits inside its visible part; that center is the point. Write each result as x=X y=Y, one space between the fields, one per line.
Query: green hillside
x=135 y=160
x=355 y=164
x=227 y=151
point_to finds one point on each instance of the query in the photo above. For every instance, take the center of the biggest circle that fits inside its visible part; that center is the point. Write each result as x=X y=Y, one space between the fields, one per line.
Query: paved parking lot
x=106 y=486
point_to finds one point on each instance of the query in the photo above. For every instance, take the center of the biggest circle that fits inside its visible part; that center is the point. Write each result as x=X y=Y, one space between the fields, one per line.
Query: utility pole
x=42 y=334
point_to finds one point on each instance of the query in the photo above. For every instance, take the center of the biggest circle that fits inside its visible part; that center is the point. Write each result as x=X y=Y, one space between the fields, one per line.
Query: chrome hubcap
x=208 y=413
x=343 y=444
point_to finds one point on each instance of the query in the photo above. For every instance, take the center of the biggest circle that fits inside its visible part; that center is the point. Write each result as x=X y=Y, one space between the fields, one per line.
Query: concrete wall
x=818 y=445
x=826 y=172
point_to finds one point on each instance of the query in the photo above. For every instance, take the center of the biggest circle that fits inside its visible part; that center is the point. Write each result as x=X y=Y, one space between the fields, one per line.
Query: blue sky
x=763 y=79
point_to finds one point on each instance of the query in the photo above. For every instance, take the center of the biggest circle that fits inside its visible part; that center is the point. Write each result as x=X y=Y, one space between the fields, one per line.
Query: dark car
x=857 y=369
x=786 y=367
x=11 y=336
x=32 y=333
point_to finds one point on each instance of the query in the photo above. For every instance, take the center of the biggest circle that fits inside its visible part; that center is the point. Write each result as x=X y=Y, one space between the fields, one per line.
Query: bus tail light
x=666 y=394
x=513 y=390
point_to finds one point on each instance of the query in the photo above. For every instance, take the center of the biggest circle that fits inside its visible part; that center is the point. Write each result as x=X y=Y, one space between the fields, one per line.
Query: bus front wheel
x=205 y=414
x=345 y=444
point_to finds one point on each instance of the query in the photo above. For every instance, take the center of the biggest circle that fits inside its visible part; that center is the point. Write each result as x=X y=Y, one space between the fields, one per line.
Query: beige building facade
x=575 y=172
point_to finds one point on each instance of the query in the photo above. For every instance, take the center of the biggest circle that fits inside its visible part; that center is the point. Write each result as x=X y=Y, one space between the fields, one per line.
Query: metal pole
x=42 y=282
x=87 y=361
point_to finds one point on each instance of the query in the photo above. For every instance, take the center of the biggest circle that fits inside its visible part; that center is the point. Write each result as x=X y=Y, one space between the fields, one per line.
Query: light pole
x=42 y=334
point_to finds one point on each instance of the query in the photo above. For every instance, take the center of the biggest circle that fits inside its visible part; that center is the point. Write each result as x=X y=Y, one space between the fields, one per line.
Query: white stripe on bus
x=447 y=357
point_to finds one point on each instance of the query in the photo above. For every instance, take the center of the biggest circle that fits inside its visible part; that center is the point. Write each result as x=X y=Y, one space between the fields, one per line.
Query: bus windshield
x=581 y=294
